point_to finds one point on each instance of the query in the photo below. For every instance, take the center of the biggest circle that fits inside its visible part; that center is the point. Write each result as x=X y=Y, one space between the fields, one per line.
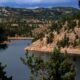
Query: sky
x=39 y=3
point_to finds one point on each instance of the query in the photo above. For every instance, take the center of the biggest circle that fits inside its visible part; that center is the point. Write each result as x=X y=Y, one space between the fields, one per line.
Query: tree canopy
x=57 y=67
x=3 y=36
x=3 y=73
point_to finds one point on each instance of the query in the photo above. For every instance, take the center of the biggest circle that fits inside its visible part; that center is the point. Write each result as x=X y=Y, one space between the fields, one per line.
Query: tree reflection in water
x=3 y=46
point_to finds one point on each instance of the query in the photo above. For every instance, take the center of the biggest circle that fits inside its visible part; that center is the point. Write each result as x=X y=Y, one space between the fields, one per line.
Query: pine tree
x=3 y=36
x=64 y=42
x=57 y=67
x=3 y=73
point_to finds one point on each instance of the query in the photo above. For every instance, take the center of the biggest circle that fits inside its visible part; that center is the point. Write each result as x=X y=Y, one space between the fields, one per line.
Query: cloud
x=33 y=7
x=38 y=3
x=32 y=1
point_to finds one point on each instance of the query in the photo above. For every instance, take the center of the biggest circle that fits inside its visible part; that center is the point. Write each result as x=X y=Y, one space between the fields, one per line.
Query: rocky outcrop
x=42 y=46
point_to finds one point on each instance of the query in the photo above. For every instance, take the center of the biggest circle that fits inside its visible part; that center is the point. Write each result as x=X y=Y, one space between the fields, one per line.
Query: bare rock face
x=65 y=36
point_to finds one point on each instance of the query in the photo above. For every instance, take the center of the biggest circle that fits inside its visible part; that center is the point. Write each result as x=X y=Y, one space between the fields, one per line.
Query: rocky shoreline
x=19 y=38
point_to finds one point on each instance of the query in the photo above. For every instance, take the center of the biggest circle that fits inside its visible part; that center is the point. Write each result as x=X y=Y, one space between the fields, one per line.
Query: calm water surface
x=11 y=57
x=15 y=68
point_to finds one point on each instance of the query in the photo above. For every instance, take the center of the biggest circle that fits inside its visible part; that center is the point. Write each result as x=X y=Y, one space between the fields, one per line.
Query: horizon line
x=35 y=7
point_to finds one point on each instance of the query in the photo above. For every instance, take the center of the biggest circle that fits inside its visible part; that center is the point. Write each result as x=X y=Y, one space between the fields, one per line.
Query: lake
x=15 y=67
x=11 y=57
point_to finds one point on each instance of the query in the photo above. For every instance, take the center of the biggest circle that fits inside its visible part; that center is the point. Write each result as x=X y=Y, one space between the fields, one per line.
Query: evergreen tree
x=57 y=67
x=3 y=36
x=3 y=73
x=64 y=42
x=71 y=24
x=50 y=38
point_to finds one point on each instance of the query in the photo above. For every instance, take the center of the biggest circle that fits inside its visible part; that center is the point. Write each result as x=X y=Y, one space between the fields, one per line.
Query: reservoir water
x=15 y=67
x=11 y=57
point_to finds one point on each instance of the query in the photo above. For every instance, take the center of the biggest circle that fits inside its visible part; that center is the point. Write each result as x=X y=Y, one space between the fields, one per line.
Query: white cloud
x=33 y=7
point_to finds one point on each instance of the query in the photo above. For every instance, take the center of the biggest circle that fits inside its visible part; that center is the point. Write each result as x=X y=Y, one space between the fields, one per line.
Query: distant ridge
x=38 y=13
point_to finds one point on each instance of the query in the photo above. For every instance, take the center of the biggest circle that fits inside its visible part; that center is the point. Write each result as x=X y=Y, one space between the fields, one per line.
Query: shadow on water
x=2 y=72
x=3 y=46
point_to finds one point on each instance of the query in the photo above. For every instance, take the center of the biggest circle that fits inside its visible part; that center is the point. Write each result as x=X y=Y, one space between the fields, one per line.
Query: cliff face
x=40 y=46
x=67 y=40
x=43 y=47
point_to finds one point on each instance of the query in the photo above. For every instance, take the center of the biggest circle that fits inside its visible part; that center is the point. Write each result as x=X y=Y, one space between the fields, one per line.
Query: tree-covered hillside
x=39 y=13
x=26 y=22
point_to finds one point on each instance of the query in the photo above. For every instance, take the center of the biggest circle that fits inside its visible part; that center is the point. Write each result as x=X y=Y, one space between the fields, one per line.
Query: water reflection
x=11 y=57
x=3 y=46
